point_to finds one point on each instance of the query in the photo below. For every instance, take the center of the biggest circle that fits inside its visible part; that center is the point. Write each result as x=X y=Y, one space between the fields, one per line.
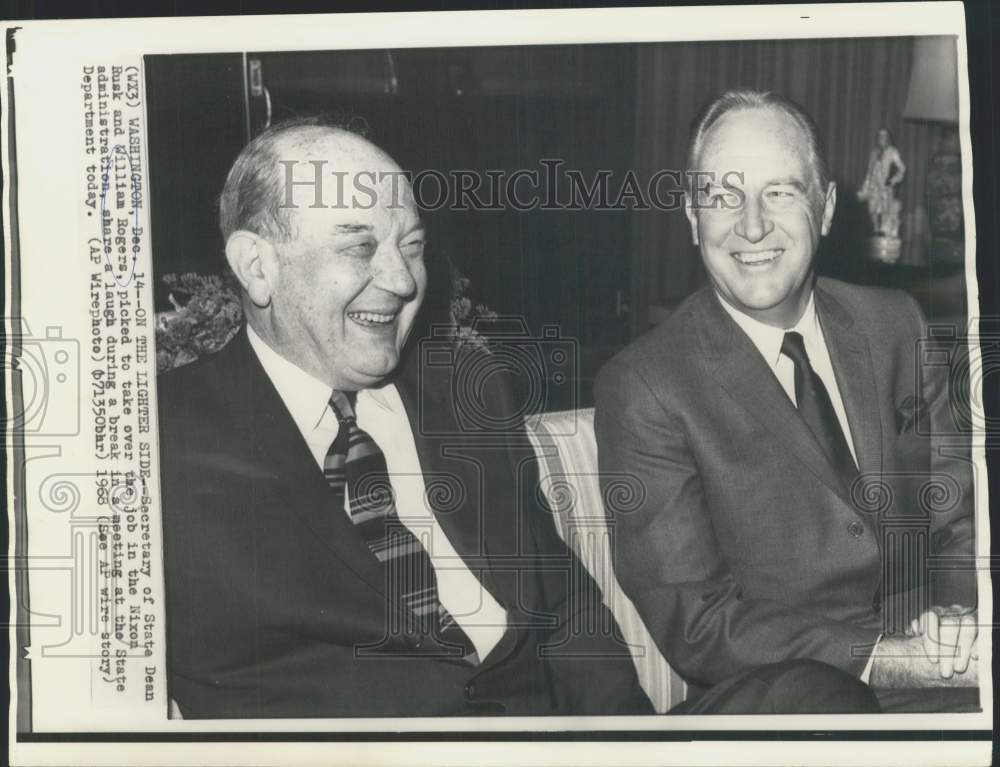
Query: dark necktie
x=817 y=411
x=356 y=463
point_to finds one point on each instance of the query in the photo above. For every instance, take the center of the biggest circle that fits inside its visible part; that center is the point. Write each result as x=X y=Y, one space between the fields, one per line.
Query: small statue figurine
x=885 y=170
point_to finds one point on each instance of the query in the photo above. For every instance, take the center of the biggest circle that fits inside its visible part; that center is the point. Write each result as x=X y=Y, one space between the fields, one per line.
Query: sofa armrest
x=566 y=450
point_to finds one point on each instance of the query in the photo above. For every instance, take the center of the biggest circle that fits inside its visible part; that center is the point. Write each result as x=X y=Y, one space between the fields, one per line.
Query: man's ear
x=829 y=205
x=255 y=264
x=692 y=217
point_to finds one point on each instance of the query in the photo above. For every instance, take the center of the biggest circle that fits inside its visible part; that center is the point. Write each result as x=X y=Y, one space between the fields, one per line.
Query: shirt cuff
x=867 y=673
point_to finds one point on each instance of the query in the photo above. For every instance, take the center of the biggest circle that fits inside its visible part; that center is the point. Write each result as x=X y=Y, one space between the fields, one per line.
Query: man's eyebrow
x=417 y=228
x=352 y=228
x=788 y=182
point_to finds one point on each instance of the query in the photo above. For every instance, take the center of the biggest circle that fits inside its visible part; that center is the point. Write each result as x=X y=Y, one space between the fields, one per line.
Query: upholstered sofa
x=567 y=457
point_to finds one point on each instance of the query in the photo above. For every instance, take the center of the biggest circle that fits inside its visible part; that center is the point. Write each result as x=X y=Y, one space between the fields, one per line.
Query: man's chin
x=764 y=296
x=371 y=372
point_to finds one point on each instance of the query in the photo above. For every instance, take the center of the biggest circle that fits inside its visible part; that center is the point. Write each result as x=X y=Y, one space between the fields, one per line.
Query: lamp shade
x=933 y=93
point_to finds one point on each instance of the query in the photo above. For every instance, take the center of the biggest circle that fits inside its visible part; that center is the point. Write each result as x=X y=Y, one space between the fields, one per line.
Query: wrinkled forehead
x=339 y=171
x=760 y=144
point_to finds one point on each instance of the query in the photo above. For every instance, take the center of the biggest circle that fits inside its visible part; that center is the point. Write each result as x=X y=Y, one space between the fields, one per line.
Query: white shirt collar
x=307 y=398
x=767 y=338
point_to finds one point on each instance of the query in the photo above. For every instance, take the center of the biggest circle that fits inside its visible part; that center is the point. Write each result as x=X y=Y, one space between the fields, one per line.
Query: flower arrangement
x=466 y=316
x=207 y=314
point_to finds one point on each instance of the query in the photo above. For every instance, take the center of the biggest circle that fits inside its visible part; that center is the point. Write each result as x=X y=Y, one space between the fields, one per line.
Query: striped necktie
x=355 y=464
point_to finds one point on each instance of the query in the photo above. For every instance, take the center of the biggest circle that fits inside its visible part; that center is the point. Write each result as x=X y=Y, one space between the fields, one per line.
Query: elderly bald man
x=312 y=568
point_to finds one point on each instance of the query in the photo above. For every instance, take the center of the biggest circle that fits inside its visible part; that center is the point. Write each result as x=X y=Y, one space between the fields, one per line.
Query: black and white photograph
x=606 y=383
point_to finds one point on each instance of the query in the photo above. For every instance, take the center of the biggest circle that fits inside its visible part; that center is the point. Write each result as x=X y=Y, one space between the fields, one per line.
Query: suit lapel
x=279 y=446
x=746 y=376
x=855 y=374
x=439 y=442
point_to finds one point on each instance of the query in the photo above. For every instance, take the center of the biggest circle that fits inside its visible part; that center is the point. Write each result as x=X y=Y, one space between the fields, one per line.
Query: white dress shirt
x=768 y=340
x=381 y=414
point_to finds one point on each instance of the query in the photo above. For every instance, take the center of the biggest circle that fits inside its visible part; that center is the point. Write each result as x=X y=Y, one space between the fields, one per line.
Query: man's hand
x=939 y=650
x=903 y=662
x=948 y=635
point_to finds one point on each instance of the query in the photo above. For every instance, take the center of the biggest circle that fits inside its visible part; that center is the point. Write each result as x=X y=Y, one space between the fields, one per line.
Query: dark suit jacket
x=272 y=593
x=747 y=550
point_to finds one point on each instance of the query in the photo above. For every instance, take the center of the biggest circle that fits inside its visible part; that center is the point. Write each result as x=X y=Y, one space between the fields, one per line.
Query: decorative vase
x=885 y=249
x=944 y=201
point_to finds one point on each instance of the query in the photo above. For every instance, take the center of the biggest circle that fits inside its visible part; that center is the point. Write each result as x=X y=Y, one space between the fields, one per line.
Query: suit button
x=856 y=529
x=414 y=641
x=470 y=690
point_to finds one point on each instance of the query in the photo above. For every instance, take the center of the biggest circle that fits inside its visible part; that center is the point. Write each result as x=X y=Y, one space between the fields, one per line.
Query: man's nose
x=754 y=224
x=391 y=271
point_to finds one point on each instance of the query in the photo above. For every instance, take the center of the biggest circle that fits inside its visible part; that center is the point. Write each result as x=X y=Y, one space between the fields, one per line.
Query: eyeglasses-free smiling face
x=352 y=278
x=758 y=224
